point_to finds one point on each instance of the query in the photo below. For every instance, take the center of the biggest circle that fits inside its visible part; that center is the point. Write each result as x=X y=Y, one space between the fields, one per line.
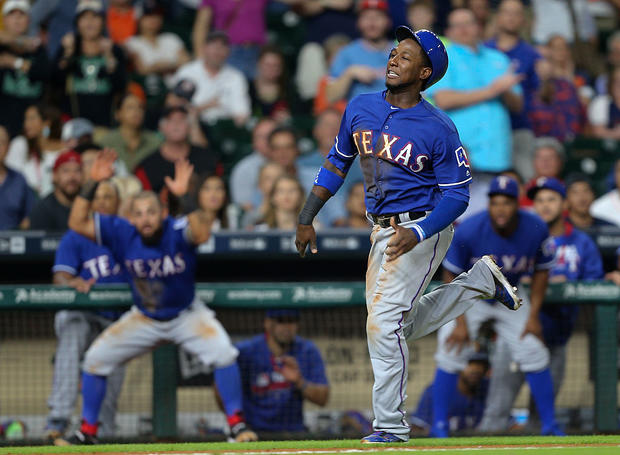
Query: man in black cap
x=174 y=126
x=279 y=371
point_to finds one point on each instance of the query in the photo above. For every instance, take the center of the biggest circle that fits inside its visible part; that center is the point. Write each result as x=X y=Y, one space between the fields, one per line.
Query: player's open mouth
x=391 y=74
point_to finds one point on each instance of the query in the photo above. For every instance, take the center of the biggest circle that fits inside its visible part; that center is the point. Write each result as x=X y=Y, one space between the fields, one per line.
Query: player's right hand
x=458 y=339
x=103 y=167
x=305 y=234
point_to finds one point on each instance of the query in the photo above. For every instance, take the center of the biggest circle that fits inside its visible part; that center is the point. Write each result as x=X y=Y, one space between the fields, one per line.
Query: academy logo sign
x=312 y=294
x=23 y=295
x=591 y=291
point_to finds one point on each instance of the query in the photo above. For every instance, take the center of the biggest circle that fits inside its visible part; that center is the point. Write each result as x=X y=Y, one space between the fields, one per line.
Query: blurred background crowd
x=252 y=93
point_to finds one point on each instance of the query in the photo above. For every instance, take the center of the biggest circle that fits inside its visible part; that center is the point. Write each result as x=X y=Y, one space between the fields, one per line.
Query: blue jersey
x=407 y=156
x=527 y=249
x=79 y=256
x=464 y=412
x=576 y=258
x=162 y=276
x=270 y=402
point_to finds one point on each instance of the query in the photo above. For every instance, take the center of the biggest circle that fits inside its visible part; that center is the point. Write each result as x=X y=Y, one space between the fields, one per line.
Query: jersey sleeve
x=459 y=254
x=343 y=152
x=592 y=267
x=113 y=232
x=450 y=163
x=67 y=258
x=316 y=368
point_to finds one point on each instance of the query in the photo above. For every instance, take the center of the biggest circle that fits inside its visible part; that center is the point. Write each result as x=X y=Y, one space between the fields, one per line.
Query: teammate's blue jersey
x=529 y=247
x=576 y=258
x=162 y=276
x=407 y=156
x=270 y=402
x=464 y=412
x=79 y=256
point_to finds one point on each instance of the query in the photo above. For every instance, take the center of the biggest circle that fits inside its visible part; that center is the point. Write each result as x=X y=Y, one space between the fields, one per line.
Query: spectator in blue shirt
x=16 y=198
x=468 y=402
x=359 y=67
x=510 y=21
x=279 y=371
x=477 y=92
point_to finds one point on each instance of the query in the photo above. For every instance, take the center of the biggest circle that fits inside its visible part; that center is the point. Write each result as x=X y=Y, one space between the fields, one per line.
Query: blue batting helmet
x=432 y=47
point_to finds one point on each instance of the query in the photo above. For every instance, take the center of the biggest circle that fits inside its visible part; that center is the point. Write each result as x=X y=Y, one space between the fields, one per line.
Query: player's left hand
x=402 y=241
x=534 y=327
x=183 y=171
x=290 y=369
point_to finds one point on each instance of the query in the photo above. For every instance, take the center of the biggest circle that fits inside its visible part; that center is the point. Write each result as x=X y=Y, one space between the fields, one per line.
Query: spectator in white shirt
x=152 y=52
x=607 y=207
x=221 y=90
x=604 y=110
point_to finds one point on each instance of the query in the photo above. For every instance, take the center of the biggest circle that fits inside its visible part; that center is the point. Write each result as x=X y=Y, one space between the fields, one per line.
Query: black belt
x=384 y=220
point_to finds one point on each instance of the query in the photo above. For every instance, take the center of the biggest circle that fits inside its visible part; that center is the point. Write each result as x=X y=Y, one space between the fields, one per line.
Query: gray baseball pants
x=75 y=331
x=398 y=310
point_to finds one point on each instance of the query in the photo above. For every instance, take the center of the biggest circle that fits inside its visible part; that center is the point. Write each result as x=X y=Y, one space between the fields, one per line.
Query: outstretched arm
x=103 y=169
x=199 y=221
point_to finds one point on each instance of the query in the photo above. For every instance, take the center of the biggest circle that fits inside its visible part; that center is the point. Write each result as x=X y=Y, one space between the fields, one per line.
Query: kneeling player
x=159 y=255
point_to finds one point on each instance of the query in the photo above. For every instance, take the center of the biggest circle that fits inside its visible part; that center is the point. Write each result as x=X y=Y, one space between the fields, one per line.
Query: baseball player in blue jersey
x=159 y=257
x=80 y=263
x=520 y=243
x=576 y=258
x=416 y=177
x=280 y=370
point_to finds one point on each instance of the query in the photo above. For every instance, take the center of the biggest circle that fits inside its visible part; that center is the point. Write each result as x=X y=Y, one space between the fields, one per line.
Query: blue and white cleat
x=381 y=437
x=504 y=291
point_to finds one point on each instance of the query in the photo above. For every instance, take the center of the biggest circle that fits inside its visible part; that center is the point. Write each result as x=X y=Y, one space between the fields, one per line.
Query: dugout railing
x=603 y=297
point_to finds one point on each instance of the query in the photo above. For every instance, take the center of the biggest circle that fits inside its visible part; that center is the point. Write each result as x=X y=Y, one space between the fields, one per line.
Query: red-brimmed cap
x=373 y=4
x=70 y=156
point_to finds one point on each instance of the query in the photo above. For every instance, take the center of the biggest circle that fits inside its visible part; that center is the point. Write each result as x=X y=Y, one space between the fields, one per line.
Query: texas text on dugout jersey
x=82 y=257
x=408 y=156
x=161 y=276
x=527 y=249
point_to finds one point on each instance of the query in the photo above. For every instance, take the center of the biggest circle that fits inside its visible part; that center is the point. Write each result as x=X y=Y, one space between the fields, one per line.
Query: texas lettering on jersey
x=156 y=268
x=99 y=267
x=393 y=149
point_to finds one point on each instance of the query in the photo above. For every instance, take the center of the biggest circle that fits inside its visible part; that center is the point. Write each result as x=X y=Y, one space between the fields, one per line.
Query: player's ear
x=425 y=72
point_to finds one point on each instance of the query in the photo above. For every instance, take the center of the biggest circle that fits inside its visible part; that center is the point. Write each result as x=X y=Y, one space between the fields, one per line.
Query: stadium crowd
x=134 y=77
x=255 y=110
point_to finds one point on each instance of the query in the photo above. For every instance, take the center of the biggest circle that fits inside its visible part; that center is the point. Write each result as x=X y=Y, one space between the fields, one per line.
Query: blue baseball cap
x=274 y=313
x=502 y=184
x=546 y=183
x=432 y=47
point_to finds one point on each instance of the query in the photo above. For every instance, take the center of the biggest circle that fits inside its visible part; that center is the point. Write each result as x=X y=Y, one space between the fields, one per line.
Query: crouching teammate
x=159 y=255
